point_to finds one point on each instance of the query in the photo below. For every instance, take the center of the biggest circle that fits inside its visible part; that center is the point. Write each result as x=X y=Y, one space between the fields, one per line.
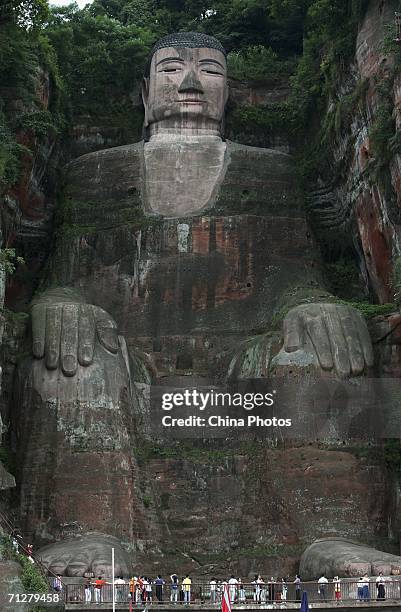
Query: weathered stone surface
x=10 y=582
x=75 y=441
x=339 y=557
x=267 y=504
x=7 y=481
x=89 y=553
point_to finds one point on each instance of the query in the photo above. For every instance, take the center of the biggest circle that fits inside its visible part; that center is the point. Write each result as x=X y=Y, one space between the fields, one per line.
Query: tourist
x=322 y=587
x=298 y=587
x=186 y=583
x=241 y=591
x=182 y=594
x=88 y=590
x=255 y=588
x=284 y=590
x=360 y=589
x=132 y=589
x=57 y=584
x=99 y=584
x=233 y=584
x=271 y=589
x=15 y=545
x=141 y=589
x=213 y=591
x=147 y=583
x=337 y=588
x=159 y=582
x=119 y=588
x=381 y=590
x=261 y=590
x=174 y=588
x=365 y=588
x=219 y=591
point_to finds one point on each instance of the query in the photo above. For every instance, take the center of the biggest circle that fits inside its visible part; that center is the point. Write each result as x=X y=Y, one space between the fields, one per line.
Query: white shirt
x=323 y=580
x=213 y=585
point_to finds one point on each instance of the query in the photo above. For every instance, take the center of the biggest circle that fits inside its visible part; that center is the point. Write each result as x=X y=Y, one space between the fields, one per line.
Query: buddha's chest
x=182 y=178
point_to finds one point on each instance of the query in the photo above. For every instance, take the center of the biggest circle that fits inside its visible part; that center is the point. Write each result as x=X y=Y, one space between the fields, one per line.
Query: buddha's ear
x=226 y=94
x=145 y=97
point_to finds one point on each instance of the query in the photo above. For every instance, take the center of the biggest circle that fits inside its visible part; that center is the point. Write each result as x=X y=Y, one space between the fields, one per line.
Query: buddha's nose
x=190 y=83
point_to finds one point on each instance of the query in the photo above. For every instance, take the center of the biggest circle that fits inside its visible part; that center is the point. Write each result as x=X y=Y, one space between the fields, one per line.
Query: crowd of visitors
x=143 y=590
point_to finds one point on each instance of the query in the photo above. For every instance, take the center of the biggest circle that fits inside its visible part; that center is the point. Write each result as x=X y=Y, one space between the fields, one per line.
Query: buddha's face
x=186 y=89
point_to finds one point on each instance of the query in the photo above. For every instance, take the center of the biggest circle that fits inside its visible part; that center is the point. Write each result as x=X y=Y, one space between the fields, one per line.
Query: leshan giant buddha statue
x=179 y=246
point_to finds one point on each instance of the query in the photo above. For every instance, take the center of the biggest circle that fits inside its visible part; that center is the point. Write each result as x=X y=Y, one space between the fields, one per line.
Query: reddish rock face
x=263 y=502
x=376 y=240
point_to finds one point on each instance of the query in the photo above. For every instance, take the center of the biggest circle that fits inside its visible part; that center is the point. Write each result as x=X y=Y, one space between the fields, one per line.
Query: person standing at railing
x=141 y=588
x=174 y=588
x=298 y=588
x=99 y=585
x=219 y=591
x=380 y=587
x=262 y=590
x=147 y=583
x=337 y=588
x=322 y=587
x=284 y=590
x=213 y=591
x=271 y=589
x=132 y=589
x=119 y=588
x=233 y=584
x=255 y=589
x=365 y=588
x=186 y=583
x=241 y=591
x=159 y=582
x=88 y=590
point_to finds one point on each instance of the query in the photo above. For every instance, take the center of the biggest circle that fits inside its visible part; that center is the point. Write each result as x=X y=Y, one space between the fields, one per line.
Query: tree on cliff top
x=28 y=14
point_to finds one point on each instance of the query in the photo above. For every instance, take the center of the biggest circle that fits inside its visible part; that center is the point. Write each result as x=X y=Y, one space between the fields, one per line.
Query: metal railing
x=268 y=593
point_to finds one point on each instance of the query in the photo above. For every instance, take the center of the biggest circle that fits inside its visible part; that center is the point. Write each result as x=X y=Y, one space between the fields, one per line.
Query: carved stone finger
x=355 y=351
x=69 y=339
x=38 y=330
x=107 y=332
x=292 y=329
x=365 y=339
x=53 y=332
x=335 y=333
x=317 y=333
x=86 y=335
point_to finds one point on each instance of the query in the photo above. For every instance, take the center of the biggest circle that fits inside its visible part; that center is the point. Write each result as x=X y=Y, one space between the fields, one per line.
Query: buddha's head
x=185 y=85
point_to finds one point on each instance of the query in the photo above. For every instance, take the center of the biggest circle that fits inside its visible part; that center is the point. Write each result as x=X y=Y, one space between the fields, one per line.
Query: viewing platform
x=388 y=606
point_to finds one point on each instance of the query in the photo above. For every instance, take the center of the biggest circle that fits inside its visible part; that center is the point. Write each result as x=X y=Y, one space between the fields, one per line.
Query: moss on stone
x=79 y=218
x=191 y=451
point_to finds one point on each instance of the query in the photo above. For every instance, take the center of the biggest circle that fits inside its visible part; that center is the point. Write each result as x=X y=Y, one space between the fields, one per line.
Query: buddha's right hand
x=64 y=333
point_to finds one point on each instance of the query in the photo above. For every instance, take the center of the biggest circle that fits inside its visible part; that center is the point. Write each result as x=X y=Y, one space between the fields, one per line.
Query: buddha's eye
x=213 y=72
x=170 y=69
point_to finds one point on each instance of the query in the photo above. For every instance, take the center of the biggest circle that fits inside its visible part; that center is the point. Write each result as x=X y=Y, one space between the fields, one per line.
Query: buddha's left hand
x=332 y=336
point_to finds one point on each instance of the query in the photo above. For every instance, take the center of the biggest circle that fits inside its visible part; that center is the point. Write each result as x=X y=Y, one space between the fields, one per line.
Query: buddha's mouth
x=190 y=101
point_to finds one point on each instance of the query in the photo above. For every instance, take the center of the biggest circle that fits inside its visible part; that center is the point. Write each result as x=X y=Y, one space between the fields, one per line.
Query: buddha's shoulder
x=260 y=162
x=237 y=149
x=105 y=172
